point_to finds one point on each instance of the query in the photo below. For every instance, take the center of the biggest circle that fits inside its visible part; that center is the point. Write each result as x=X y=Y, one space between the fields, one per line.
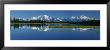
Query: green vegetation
x=73 y=26
x=39 y=23
x=89 y=22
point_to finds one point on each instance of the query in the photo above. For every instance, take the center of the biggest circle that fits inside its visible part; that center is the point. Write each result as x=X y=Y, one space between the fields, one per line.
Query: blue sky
x=54 y=13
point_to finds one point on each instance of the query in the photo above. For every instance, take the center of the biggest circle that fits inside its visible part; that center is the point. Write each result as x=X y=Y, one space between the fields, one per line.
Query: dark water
x=44 y=32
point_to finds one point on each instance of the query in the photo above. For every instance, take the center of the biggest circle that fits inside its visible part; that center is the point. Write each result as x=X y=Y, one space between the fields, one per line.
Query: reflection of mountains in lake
x=46 y=27
x=40 y=27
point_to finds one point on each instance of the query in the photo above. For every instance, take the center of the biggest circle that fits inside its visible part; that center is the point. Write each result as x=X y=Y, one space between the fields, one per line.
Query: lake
x=54 y=32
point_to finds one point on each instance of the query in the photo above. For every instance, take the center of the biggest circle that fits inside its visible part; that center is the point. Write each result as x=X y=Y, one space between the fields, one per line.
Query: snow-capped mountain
x=60 y=19
x=80 y=18
x=46 y=18
x=41 y=17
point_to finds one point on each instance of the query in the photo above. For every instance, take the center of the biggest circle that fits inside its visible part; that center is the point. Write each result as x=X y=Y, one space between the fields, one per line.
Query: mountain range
x=59 y=19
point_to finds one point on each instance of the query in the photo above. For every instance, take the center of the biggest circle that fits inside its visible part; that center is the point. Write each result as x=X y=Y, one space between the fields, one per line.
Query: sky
x=54 y=13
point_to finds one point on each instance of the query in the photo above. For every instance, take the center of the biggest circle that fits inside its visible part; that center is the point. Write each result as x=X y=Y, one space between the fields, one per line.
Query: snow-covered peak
x=82 y=17
x=34 y=18
x=41 y=17
x=73 y=17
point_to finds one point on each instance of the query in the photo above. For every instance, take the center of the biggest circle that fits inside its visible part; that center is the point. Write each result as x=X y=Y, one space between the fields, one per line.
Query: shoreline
x=39 y=23
x=82 y=26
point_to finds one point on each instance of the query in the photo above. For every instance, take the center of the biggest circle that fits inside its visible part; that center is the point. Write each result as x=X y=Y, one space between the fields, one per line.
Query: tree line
x=89 y=22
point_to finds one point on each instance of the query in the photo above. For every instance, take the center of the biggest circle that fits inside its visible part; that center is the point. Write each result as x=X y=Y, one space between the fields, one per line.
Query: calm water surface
x=44 y=32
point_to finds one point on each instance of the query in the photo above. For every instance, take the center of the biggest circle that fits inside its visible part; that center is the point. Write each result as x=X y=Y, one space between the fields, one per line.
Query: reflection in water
x=43 y=27
x=48 y=32
x=82 y=29
x=40 y=27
